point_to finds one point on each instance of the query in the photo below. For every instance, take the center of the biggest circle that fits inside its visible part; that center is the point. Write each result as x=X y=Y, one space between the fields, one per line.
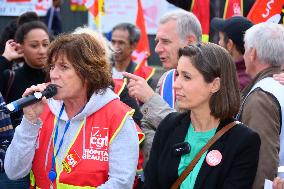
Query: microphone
x=181 y=148
x=17 y=105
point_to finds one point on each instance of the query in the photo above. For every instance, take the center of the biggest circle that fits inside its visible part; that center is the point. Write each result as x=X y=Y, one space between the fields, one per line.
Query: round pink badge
x=213 y=158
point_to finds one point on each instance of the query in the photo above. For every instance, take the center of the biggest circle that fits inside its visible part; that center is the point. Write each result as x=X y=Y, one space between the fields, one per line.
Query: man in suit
x=53 y=18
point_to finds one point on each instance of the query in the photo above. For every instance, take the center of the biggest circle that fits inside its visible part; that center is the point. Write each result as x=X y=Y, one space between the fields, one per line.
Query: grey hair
x=268 y=40
x=134 y=32
x=187 y=24
x=99 y=37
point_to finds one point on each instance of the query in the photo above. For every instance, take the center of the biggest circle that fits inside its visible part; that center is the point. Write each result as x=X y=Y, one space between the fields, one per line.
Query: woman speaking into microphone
x=84 y=136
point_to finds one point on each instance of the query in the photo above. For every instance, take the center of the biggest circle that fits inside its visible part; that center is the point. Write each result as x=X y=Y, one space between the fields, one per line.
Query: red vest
x=119 y=85
x=233 y=8
x=201 y=9
x=145 y=72
x=91 y=163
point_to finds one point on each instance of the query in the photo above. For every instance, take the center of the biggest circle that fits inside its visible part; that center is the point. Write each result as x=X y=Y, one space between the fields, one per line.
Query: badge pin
x=66 y=166
x=71 y=161
x=213 y=158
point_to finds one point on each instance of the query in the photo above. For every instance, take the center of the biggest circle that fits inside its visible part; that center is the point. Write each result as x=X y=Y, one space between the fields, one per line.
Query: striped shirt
x=6 y=133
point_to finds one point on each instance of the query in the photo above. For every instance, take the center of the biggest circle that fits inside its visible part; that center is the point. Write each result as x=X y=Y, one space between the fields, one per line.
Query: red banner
x=142 y=51
x=201 y=9
x=233 y=8
x=264 y=10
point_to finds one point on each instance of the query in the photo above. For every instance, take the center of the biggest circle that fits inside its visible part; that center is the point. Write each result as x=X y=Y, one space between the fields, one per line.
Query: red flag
x=264 y=10
x=233 y=8
x=201 y=9
x=142 y=50
x=96 y=8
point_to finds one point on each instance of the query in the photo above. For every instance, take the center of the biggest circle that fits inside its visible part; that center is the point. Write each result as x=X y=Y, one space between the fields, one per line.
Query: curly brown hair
x=87 y=56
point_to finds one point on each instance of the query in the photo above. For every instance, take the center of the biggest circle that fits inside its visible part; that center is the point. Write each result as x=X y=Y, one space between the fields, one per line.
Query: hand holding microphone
x=33 y=101
x=33 y=111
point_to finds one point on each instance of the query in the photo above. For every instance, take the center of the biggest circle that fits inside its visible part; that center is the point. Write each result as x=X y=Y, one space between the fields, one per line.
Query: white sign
x=18 y=7
x=126 y=10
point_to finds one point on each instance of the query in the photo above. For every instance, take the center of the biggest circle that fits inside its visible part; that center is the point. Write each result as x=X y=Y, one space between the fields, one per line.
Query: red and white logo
x=98 y=148
x=213 y=158
x=99 y=138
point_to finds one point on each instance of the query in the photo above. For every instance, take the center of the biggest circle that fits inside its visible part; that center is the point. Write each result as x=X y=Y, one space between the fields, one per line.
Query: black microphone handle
x=28 y=100
x=23 y=102
x=14 y=106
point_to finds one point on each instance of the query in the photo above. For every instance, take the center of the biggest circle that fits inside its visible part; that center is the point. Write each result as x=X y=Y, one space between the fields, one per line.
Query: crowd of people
x=214 y=119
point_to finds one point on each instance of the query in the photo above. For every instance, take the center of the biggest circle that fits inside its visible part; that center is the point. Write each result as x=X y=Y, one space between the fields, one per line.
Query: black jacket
x=239 y=148
x=25 y=77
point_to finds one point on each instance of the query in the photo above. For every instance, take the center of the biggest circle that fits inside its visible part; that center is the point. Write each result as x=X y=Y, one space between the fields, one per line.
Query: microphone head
x=181 y=148
x=50 y=91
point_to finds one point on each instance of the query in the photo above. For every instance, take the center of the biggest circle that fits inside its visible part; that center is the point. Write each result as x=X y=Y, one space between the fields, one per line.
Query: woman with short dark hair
x=207 y=89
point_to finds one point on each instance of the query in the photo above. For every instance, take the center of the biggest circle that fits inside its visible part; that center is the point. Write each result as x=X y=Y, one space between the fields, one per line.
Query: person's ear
x=19 y=48
x=252 y=54
x=230 y=45
x=191 y=39
x=215 y=85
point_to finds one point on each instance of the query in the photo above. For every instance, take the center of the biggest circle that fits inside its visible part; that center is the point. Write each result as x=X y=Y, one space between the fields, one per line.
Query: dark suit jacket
x=56 y=26
x=239 y=148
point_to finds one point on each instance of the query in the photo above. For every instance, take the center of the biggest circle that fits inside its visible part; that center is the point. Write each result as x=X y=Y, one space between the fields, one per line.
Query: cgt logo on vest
x=98 y=148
